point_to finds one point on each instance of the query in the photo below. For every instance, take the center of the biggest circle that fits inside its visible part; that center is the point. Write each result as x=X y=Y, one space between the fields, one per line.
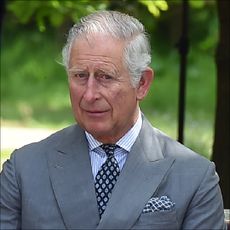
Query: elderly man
x=111 y=170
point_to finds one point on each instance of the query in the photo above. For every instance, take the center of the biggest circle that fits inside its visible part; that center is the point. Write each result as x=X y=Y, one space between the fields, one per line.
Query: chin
x=99 y=133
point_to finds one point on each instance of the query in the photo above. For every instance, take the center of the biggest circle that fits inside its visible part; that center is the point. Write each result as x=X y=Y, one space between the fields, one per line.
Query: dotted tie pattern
x=106 y=177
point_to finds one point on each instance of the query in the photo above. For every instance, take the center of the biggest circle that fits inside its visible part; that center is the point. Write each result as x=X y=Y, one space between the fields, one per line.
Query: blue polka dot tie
x=106 y=177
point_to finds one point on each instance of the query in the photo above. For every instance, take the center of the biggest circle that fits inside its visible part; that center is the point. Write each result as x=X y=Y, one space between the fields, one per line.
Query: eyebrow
x=101 y=69
x=76 y=69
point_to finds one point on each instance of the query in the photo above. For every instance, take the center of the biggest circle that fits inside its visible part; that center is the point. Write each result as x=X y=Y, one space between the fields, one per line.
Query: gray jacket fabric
x=49 y=185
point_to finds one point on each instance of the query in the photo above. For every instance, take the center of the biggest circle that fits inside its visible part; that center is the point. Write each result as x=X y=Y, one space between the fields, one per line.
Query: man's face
x=103 y=99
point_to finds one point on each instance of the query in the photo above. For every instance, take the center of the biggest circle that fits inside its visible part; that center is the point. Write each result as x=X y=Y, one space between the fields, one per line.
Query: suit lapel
x=72 y=180
x=143 y=172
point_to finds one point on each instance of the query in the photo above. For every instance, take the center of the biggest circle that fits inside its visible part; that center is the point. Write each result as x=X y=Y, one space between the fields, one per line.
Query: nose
x=91 y=91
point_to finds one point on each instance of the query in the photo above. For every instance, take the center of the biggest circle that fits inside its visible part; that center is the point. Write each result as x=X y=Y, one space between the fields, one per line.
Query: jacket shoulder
x=51 y=142
x=172 y=148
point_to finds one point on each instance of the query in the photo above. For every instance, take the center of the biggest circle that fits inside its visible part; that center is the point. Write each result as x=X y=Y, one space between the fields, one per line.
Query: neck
x=114 y=136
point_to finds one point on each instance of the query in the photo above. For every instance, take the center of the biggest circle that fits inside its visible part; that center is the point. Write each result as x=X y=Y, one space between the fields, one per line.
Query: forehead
x=97 y=49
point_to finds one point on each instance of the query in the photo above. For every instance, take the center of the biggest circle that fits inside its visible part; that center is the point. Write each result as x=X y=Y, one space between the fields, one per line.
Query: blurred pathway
x=16 y=137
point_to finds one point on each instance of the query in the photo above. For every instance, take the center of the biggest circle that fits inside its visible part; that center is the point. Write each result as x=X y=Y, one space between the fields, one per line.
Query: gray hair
x=137 y=55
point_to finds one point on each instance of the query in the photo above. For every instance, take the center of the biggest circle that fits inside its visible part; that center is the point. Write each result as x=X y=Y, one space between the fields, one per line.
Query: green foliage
x=155 y=7
x=57 y=12
x=30 y=72
x=34 y=87
x=197 y=4
x=4 y=156
x=53 y=12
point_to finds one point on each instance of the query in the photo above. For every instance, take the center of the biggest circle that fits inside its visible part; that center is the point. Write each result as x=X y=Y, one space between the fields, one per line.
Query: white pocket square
x=162 y=203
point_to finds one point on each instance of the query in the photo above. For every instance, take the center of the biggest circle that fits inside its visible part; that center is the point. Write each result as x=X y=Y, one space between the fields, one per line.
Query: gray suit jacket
x=49 y=185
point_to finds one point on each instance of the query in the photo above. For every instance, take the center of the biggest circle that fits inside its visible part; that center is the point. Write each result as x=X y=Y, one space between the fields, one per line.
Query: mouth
x=96 y=113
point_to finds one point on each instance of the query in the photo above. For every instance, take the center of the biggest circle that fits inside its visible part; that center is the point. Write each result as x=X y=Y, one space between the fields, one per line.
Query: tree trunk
x=2 y=13
x=221 y=147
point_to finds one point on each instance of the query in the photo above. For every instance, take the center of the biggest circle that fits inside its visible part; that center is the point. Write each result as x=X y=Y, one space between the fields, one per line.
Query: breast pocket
x=157 y=220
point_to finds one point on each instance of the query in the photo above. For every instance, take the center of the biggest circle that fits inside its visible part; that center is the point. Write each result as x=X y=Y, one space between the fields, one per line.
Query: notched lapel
x=142 y=174
x=72 y=181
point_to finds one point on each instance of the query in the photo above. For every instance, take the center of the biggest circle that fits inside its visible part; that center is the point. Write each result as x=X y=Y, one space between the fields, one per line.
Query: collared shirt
x=98 y=156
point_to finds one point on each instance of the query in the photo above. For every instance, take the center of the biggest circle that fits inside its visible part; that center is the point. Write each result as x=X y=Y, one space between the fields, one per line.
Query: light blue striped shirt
x=98 y=156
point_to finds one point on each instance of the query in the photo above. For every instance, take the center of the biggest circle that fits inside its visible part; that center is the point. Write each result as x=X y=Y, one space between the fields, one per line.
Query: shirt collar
x=126 y=142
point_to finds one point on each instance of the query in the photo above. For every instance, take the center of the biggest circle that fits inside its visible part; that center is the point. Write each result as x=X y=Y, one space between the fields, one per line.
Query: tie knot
x=109 y=149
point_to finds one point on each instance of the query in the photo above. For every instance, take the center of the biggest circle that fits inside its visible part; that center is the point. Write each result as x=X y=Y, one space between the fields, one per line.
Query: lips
x=96 y=113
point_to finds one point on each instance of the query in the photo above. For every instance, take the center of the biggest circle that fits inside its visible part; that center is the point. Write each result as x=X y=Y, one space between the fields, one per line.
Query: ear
x=144 y=84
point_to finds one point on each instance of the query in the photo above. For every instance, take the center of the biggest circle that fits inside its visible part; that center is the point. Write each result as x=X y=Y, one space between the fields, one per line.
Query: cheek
x=75 y=94
x=124 y=101
x=72 y=85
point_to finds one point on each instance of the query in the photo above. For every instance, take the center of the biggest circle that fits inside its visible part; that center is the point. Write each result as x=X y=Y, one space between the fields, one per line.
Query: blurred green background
x=34 y=90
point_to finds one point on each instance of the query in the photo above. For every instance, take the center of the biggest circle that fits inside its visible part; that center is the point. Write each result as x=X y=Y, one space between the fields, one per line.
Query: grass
x=5 y=154
x=34 y=89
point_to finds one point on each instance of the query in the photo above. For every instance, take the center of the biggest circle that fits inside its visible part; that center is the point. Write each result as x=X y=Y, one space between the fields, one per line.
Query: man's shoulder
x=172 y=148
x=33 y=158
x=50 y=142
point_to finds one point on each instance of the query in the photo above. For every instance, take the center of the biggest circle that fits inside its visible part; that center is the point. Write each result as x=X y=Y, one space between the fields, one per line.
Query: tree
x=221 y=147
x=58 y=12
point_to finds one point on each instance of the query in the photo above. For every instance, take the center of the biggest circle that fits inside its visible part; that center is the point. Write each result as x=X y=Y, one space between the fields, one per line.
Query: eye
x=108 y=77
x=81 y=75
x=103 y=76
